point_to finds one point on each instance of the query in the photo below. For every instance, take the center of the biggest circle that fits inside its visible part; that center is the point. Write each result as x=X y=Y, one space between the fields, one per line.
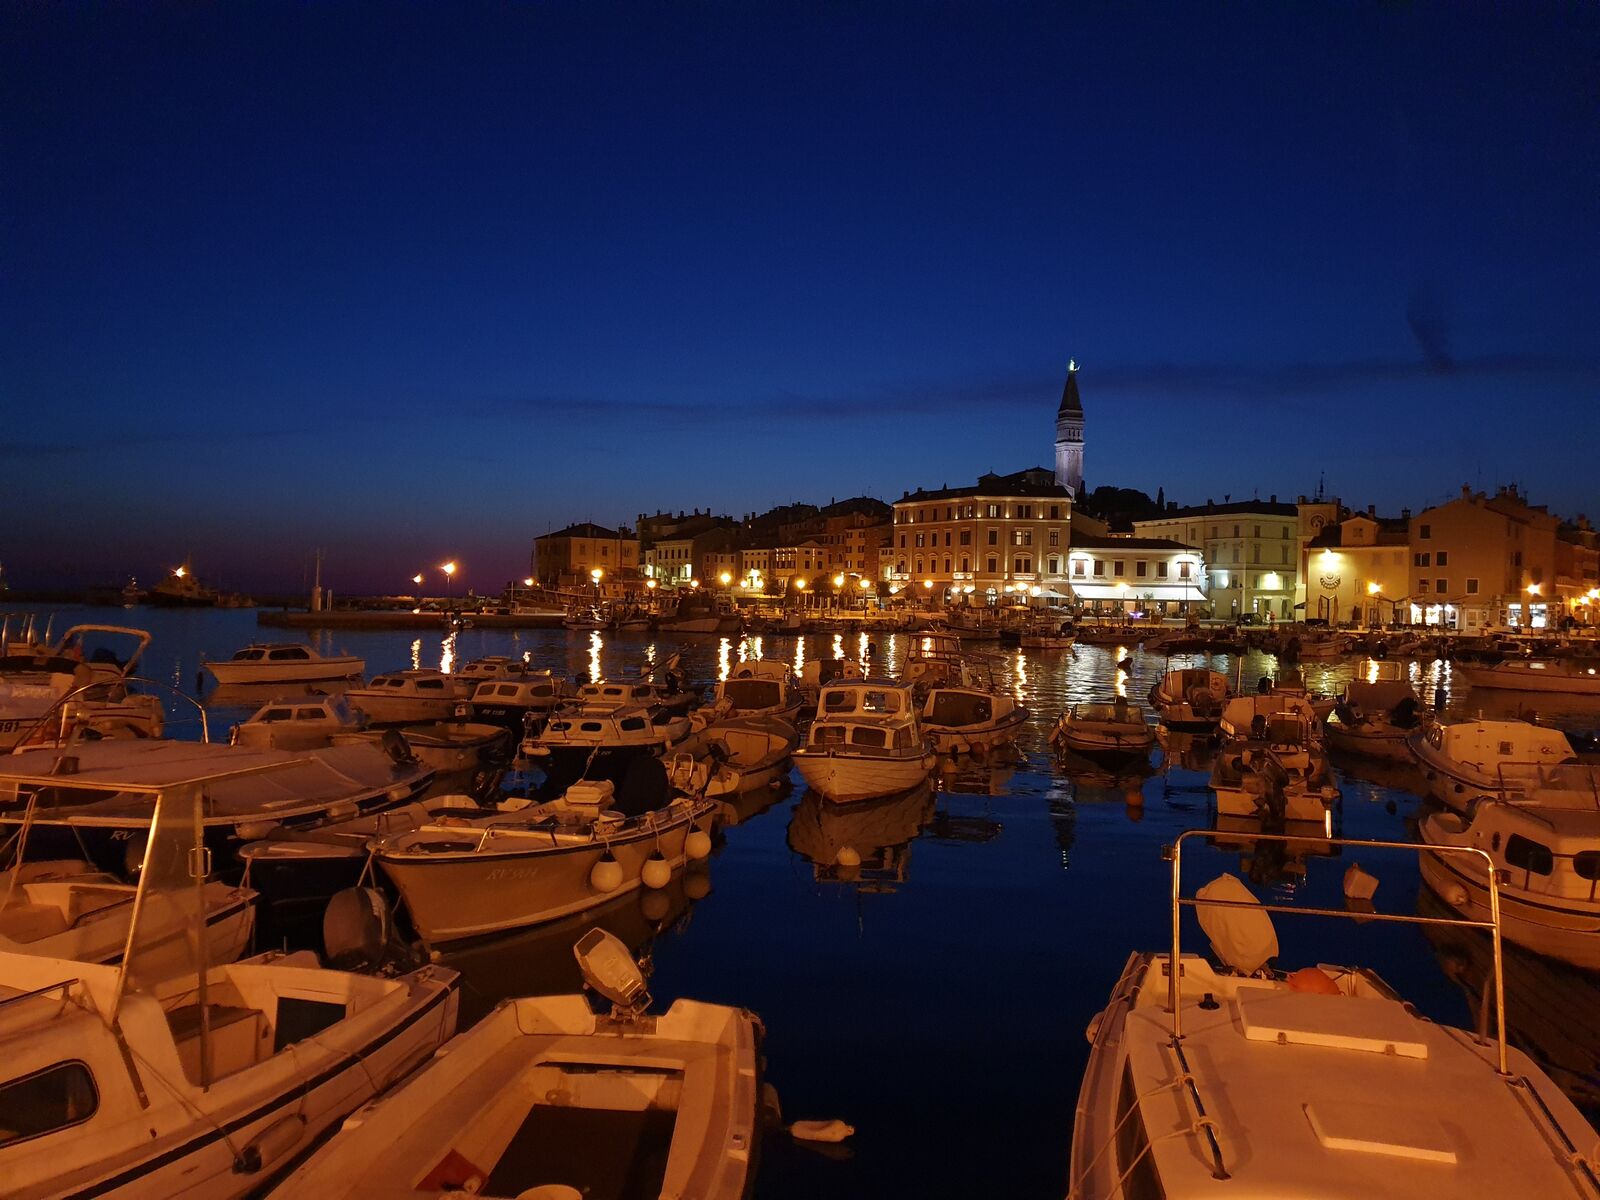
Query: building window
x=1283 y=554
x=1236 y=531
x=919 y=566
x=1161 y=570
x=1118 y=567
x=1141 y=568
x=1055 y=537
x=1257 y=531
x=919 y=540
x=1425 y=531
x=1422 y=585
x=1024 y=510
x=992 y=511
x=1055 y=564
x=1099 y=567
x=946 y=537
x=1442 y=559
x=1255 y=553
x=993 y=564
x=1472 y=587
x=966 y=568
x=903 y=546
x=1055 y=512
x=947 y=571
x=1439 y=586
x=966 y=537
x=1022 y=537
x=1077 y=569
x=994 y=537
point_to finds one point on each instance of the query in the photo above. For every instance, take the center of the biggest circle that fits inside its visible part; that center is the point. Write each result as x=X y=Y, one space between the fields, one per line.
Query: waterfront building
x=1008 y=534
x=1069 y=435
x=1115 y=574
x=571 y=555
x=1358 y=570
x=1250 y=549
x=680 y=547
x=1482 y=560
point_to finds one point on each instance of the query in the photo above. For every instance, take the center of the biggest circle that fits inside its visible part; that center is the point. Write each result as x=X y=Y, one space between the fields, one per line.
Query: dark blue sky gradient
x=413 y=281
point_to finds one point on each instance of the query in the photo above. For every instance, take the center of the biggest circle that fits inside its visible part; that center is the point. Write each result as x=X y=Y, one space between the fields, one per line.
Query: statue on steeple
x=1069 y=434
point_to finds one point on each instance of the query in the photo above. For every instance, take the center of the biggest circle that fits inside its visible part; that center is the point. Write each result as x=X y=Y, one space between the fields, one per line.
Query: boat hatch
x=1371 y=1024
x=1380 y=1129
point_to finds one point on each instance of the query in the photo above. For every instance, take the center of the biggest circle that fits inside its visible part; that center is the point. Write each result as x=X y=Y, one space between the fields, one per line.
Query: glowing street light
x=838 y=580
x=1533 y=589
x=449 y=570
x=725 y=578
x=1372 y=588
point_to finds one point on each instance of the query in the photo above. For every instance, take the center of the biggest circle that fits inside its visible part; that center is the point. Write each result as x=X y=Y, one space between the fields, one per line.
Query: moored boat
x=1190 y=700
x=866 y=741
x=1242 y=1080
x=546 y=1099
x=408 y=697
x=1373 y=718
x=1570 y=677
x=1104 y=730
x=283 y=662
x=1271 y=762
x=1461 y=760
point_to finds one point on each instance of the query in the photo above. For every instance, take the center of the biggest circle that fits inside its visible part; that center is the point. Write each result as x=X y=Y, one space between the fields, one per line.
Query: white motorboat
x=105 y=807
x=300 y=724
x=696 y=612
x=747 y=753
x=1190 y=700
x=491 y=666
x=283 y=662
x=68 y=909
x=48 y=691
x=464 y=756
x=1271 y=762
x=1546 y=848
x=606 y=744
x=1461 y=760
x=546 y=1099
x=1374 y=718
x=960 y=718
x=608 y=695
x=1104 y=730
x=865 y=742
x=464 y=878
x=1320 y=646
x=520 y=704
x=758 y=688
x=1047 y=632
x=1243 y=1081
x=1566 y=676
x=410 y=697
x=136 y=1081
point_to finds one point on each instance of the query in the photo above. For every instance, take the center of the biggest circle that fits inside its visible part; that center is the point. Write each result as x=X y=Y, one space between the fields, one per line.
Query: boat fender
x=270 y=1145
x=656 y=872
x=821 y=1131
x=606 y=875
x=1093 y=1030
x=698 y=844
x=1456 y=895
x=1313 y=981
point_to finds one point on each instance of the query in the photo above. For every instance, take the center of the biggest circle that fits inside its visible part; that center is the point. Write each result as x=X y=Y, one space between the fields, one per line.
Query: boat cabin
x=277 y=652
x=1495 y=745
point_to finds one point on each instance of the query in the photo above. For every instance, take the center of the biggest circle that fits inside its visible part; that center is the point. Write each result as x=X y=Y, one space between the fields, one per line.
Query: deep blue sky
x=409 y=282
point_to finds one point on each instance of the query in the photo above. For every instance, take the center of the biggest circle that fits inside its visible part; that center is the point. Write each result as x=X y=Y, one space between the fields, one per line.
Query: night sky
x=410 y=282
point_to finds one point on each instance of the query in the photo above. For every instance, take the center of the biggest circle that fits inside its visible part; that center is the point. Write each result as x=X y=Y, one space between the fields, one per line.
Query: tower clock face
x=1316 y=522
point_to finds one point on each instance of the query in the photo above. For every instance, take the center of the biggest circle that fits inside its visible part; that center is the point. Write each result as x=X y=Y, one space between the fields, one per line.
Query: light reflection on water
x=1014 y=903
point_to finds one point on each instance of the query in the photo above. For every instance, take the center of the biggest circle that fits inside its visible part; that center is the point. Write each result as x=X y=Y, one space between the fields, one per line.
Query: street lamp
x=449 y=570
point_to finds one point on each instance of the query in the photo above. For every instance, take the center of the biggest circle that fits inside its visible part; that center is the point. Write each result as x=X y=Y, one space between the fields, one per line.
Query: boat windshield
x=167 y=940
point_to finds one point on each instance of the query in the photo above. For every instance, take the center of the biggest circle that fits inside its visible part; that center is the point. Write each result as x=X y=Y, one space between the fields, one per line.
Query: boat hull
x=1520 y=679
x=455 y=896
x=845 y=778
x=1569 y=932
x=1386 y=743
x=956 y=739
x=303 y=671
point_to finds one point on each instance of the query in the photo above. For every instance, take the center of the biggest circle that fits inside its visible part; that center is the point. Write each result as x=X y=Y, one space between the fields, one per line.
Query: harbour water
x=937 y=998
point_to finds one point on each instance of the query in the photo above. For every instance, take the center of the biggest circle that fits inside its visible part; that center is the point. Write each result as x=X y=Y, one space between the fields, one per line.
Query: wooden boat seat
x=31 y=922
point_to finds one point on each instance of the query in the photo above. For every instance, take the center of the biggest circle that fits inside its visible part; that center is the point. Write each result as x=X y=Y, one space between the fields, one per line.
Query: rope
x=1111 y=1138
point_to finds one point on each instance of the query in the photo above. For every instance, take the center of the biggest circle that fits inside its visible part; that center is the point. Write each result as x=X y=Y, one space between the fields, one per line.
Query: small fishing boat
x=1104 y=730
x=545 y=1099
x=1546 y=849
x=522 y=703
x=409 y=697
x=1461 y=760
x=1373 y=718
x=959 y=718
x=606 y=744
x=1271 y=762
x=747 y=753
x=139 y=1080
x=758 y=688
x=464 y=756
x=866 y=741
x=1190 y=700
x=283 y=662
x=1241 y=1080
x=303 y=724
x=1572 y=677
x=81 y=682
x=464 y=878
x=491 y=666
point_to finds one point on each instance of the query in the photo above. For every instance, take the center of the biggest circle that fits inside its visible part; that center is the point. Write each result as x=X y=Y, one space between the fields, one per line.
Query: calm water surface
x=938 y=1000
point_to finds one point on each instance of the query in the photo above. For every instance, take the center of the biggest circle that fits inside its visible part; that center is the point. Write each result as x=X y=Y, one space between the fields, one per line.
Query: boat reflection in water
x=743 y=807
x=1550 y=1006
x=1091 y=782
x=866 y=845
x=1190 y=751
x=254 y=695
x=539 y=961
x=972 y=776
x=1373 y=776
x=1280 y=864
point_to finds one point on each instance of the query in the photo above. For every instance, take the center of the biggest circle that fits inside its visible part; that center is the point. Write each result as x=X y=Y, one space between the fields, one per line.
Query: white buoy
x=606 y=875
x=1456 y=895
x=1358 y=884
x=698 y=844
x=848 y=856
x=657 y=872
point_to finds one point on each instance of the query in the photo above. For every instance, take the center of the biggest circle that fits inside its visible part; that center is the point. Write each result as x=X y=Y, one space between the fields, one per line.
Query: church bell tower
x=1069 y=434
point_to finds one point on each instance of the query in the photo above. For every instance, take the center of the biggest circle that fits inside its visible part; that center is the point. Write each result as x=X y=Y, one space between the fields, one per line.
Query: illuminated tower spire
x=1069 y=434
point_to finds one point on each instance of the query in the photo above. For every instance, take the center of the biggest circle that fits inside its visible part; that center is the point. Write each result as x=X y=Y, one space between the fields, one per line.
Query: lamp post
x=449 y=570
x=417 y=580
x=596 y=574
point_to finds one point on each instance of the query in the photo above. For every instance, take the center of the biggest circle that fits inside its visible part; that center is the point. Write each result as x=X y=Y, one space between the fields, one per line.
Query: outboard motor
x=357 y=928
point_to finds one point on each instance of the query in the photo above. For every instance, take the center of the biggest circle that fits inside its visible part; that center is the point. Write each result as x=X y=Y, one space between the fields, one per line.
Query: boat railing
x=1174 y=853
x=60 y=713
x=37 y=993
